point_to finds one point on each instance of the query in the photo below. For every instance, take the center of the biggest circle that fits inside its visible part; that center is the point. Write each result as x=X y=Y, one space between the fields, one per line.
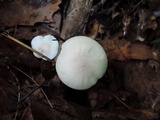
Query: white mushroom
x=47 y=45
x=81 y=62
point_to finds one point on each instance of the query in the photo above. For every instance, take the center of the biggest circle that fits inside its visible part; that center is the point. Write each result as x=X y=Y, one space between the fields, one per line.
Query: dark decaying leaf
x=8 y=92
x=61 y=110
x=28 y=32
x=98 y=96
x=146 y=81
x=121 y=114
x=17 y=53
x=18 y=12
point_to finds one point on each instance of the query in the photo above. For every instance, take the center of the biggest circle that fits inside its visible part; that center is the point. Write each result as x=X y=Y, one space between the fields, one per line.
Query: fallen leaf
x=140 y=52
x=124 y=114
x=26 y=114
x=28 y=32
x=116 y=49
x=95 y=28
x=61 y=110
x=17 y=12
x=16 y=53
x=123 y=49
x=99 y=97
x=146 y=81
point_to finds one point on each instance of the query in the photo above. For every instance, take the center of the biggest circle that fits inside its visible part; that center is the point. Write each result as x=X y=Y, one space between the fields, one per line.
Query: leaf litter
x=126 y=30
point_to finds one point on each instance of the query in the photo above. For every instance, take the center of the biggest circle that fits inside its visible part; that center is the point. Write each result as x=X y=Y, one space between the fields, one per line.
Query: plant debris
x=129 y=32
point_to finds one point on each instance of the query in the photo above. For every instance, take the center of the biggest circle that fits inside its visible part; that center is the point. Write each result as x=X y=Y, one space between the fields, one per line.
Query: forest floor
x=129 y=32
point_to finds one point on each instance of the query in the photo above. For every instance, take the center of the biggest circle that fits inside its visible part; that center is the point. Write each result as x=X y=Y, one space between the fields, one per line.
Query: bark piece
x=76 y=18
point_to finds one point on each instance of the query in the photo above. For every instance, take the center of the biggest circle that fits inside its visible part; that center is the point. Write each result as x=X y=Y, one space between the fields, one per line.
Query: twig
x=120 y=101
x=96 y=7
x=24 y=45
x=25 y=97
x=37 y=85
x=19 y=94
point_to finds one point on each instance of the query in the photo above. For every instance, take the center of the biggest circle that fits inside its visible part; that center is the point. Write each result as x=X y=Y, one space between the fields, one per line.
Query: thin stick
x=121 y=101
x=19 y=94
x=37 y=85
x=24 y=45
x=25 y=97
x=33 y=50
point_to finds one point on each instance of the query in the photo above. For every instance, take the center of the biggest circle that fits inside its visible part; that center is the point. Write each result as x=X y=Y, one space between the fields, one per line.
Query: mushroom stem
x=26 y=46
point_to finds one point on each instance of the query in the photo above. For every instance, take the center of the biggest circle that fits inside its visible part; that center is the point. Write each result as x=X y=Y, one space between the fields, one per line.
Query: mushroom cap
x=47 y=45
x=81 y=62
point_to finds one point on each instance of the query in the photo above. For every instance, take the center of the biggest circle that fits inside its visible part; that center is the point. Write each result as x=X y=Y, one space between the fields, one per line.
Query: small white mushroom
x=81 y=62
x=47 y=45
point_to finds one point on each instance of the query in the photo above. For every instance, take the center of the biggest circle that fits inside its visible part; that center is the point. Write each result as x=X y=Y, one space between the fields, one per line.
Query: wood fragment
x=76 y=18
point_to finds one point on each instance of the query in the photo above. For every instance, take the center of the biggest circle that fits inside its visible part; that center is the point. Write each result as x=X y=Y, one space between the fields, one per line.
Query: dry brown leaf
x=94 y=28
x=123 y=50
x=116 y=49
x=140 y=51
x=17 y=12
x=28 y=32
